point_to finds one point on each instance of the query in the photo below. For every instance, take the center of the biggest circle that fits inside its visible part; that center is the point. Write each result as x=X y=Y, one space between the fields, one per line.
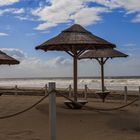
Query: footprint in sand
x=25 y=132
x=20 y=135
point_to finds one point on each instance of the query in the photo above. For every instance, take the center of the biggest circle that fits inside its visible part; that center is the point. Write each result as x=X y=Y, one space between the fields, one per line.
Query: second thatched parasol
x=102 y=56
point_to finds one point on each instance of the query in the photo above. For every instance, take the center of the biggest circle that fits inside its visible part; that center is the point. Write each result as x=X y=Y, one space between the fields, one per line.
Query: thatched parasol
x=102 y=56
x=75 y=40
x=7 y=60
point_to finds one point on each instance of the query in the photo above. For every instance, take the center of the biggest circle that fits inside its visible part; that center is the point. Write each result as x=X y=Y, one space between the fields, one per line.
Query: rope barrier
x=66 y=89
x=76 y=103
x=98 y=109
x=93 y=92
x=25 y=110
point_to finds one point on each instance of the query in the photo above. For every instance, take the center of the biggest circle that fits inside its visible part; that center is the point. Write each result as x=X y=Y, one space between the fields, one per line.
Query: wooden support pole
x=46 y=89
x=16 y=89
x=52 y=111
x=75 y=77
x=70 y=91
x=139 y=91
x=125 y=94
x=102 y=74
x=86 y=90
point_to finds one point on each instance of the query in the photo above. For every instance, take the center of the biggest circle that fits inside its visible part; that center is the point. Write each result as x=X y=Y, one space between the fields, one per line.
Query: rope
x=98 y=109
x=76 y=103
x=64 y=96
x=65 y=89
x=25 y=110
x=93 y=92
x=111 y=109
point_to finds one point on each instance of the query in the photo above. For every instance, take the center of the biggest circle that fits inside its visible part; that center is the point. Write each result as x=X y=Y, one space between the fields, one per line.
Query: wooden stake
x=70 y=91
x=46 y=89
x=139 y=91
x=86 y=90
x=52 y=111
x=125 y=94
x=16 y=89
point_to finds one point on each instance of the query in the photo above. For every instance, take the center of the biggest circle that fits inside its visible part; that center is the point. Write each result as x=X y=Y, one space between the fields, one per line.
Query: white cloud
x=16 y=53
x=18 y=11
x=3 y=34
x=130 y=6
x=66 y=11
x=12 y=10
x=60 y=66
x=129 y=45
x=87 y=16
x=136 y=19
x=79 y=11
x=44 y=26
x=7 y=2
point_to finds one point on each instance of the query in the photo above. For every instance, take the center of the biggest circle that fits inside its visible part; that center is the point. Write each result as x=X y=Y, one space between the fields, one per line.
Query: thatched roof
x=7 y=60
x=104 y=53
x=75 y=37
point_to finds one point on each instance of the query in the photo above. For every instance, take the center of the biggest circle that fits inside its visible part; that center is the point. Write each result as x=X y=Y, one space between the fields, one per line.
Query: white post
x=70 y=90
x=16 y=88
x=125 y=94
x=86 y=90
x=46 y=89
x=52 y=111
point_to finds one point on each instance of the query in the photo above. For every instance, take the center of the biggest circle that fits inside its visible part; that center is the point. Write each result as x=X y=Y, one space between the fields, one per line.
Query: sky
x=24 y=24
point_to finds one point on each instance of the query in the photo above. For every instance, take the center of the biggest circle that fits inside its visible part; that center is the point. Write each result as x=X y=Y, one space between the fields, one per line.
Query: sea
x=112 y=83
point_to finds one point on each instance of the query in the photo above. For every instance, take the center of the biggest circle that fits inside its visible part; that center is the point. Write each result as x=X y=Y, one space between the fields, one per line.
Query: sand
x=71 y=124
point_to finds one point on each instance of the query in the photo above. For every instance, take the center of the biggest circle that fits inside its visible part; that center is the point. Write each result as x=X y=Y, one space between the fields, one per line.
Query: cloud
x=136 y=19
x=36 y=67
x=130 y=6
x=22 y=18
x=129 y=45
x=16 y=53
x=3 y=34
x=44 y=26
x=59 y=12
x=61 y=66
x=81 y=11
x=18 y=11
x=12 y=10
x=87 y=16
x=7 y=2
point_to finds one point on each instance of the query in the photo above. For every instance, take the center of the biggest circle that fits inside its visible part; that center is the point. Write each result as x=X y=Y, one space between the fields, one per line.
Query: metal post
x=46 y=89
x=70 y=91
x=52 y=111
x=16 y=88
x=125 y=94
x=86 y=90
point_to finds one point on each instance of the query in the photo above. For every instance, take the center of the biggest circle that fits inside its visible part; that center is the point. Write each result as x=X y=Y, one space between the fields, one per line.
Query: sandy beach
x=71 y=124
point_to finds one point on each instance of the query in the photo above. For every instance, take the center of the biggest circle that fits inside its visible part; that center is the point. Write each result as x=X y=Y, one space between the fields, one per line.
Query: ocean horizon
x=80 y=77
